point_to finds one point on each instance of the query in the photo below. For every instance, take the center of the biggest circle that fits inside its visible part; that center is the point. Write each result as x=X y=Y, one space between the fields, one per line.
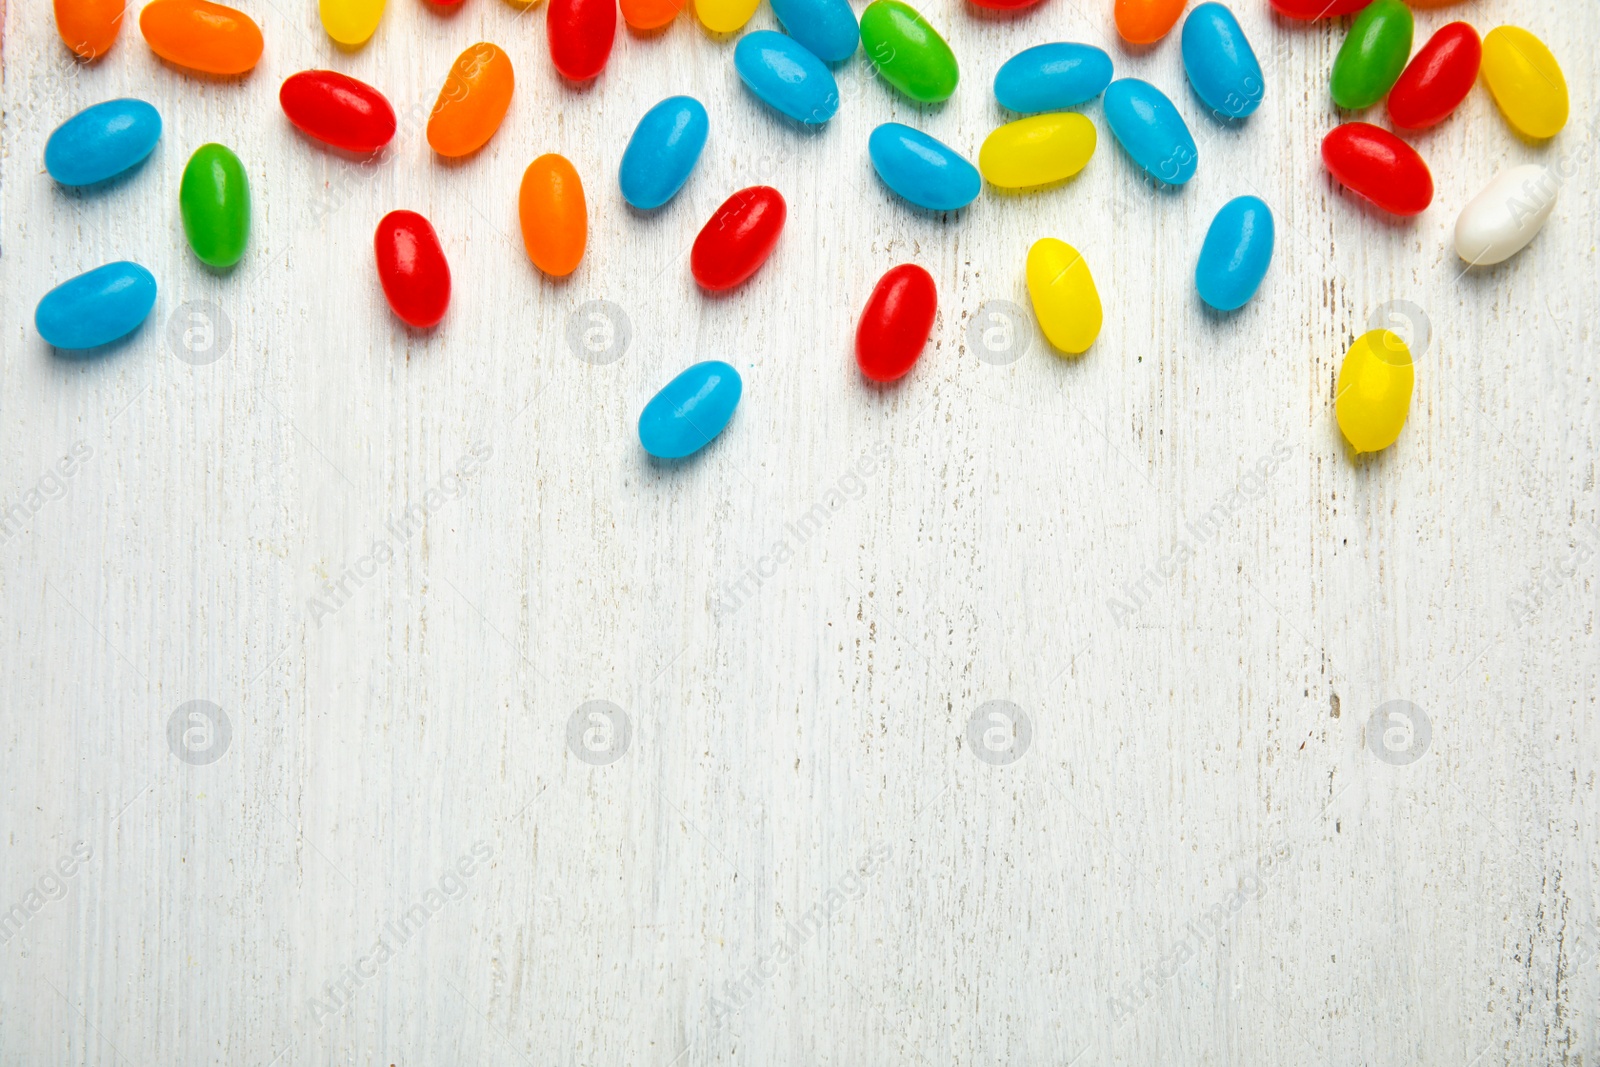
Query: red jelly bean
x=1005 y=5
x=581 y=33
x=412 y=267
x=1318 y=9
x=1437 y=79
x=337 y=110
x=895 y=326
x=738 y=238
x=1376 y=164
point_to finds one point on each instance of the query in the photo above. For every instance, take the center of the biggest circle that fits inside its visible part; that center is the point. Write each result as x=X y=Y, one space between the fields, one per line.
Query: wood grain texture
x=798 y=858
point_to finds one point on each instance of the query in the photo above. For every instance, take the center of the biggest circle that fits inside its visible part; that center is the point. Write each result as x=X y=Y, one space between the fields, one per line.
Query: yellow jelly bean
x=725 y=16
x=1064 y=297
x=350 y=22
x=1037 y=150
x=1526 y=81
x=1374 y=391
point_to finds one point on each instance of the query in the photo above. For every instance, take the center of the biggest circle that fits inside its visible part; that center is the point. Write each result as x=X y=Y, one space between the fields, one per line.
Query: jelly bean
x=581 y=34
x=554 y=216
x=1052 y=77
x=1377 y=165
x=896 y=323
x=690 y=410
x=1037 y=150
x=827 y=28
x=738 y=238
x=1525 y=81
x=350 y=22
x=1318 y=9
x=1005 y=5
x=1146 y=21
x=725 y=16
x=1436 y=81
x=1221 y=65
x=1064 y=298
x=214 y=197
x=336 y=109
x=473 y=102
x=412 y=268
x=102 y=141
x=908 y=53
x=1149 y=127
x=89 y=27
x=786 y=77
x=96 y=307
x=1236 y=253
x=1512 y=209
x=1373 y=55
x=650 y=14
x=662 y=152
x=1373 y=393
x=925 y=171
x=201 y=35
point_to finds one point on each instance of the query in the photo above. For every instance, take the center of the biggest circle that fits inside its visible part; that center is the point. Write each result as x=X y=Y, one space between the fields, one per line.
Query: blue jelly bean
x=1052 y=77
x=690 y=410
x=102 y=141
x=925 y=171
x=1222 y=66
x=662 y=152
x=97 y=307
x=1149 y=127
x=1236 y=253
x=786 y=76
x=827 y=27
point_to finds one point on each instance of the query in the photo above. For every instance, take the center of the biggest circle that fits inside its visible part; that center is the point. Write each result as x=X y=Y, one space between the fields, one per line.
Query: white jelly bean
x=1501 y=220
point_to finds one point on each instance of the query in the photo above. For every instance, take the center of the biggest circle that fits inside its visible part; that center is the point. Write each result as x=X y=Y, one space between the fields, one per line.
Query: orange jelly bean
x=650 y=14
x=473 y=101
x=555 y=218
x=1146 y=21
x=89 y=27
x=202 y=36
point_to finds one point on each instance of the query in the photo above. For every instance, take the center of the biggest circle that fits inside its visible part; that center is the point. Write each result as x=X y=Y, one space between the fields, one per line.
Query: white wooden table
x=397 y=569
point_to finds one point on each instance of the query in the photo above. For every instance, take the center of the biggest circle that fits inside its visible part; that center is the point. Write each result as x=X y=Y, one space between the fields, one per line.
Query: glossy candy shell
x=738 y=238
x=924 y=170
x=1373 y=394
x=1151 y=130
x=214 y=198
x=96 y=307
x=412 y=268
x=1236 y=253
x=89 y=27
x=338 y=110
x=350 y=22
x=1052 y=77
x=1146 y=21
x=896 y=322
x=1526 y=82
x=102 y=141
x=786 y=77
x=1437 y=79
x=554 y=215
x=473 y=101
x=1373 y=55
x=1221 y=65
x=1064 y=296
x=581 y=34
x=826 y=28
x=1379 y=166
x=690 y=411
x=1037 y=150
x=1500 y=221
x=1318 y=9
x=201 y=35
x=725 y=16
x=650 y=14
x=663 y=151
x=908 y=53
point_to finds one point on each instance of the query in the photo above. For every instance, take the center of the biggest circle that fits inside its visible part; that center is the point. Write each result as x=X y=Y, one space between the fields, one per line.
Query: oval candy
x=350 y=22
x=102 y=141
x=826 y=28
x=214 y=198
x=1377 y=165
x=1512 y=209
x=1052 y=77
x=336 y=109
x=924 y=170
x=473 y=101
x=1437 y=79
x=1236 y=253
x=96 y=307
x=1149 y=128
x=1005 y=5
x=1037 y=150
x=896 y=323
x=554 y=215
x=1221 y=65
x=202 y=36
x=738 y=238
x=89 y=27
x=1064 y=297
x=1525 y=81
x=662 y=152
x=1373 y=55
x=690 y=411
x=786 y=77
x=725 y=16
x=1146 y=21
x=907 y=52
x=1373 y=394
x=650 y=14
x=1318 y=9
x=412 y=268
x=581 y=33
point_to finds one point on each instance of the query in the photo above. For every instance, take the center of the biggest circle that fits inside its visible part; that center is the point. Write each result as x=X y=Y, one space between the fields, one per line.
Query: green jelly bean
x=909 y=54
x=1373 y=55
x=215 y=200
